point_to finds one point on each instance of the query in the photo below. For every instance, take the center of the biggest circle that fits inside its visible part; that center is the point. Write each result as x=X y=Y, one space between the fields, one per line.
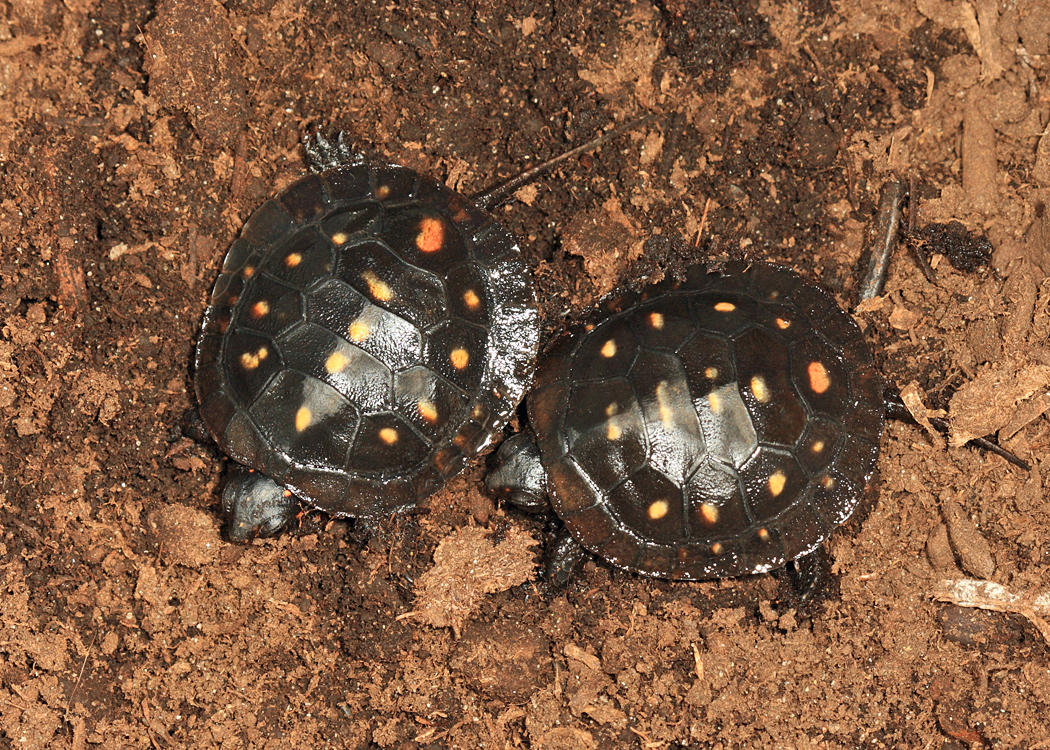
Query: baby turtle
x=716 y=427
x=371 y=330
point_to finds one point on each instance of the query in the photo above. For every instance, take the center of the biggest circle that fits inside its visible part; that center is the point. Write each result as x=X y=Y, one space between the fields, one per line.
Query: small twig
x=882 y=239
x=83 y=665
x=912 y=236
x=703 y=223
x=497 y=194
x=698 y=662
x=971 y=592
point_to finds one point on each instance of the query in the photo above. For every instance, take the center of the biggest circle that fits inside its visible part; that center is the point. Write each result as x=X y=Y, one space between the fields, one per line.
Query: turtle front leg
x=323 y=153
x=810 y=575
x=563 y=559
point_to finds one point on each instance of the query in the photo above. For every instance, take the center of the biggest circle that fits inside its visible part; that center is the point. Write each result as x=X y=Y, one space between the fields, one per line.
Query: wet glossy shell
x=370 y=331
x=715 y=428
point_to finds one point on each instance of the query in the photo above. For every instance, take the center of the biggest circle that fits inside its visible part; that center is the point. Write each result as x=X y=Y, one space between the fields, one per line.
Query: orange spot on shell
x=388 y=435
x=459 y=358
x=471 y=299
x=819 y=380
x=709 y=513
x=431 y=235
x=378 y=288
x=658 y=510
x=724 y=306
x=427 y=410
x=358 y=331
x=259 y=309
x=293 y=259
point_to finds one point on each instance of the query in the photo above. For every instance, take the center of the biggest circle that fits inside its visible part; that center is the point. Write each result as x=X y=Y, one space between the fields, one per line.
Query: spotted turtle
x=371 y=330
x=712 y=427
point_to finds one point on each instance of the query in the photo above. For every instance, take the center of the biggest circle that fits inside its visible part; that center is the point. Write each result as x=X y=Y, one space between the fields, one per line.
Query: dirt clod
x=468 y=564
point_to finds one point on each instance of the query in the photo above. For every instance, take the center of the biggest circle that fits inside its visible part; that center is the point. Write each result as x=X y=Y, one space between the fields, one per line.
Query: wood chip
x=968 y=592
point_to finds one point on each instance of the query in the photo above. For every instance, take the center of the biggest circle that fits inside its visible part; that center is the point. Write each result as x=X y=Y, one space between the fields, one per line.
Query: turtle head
x=518 y=474
x=255 y=505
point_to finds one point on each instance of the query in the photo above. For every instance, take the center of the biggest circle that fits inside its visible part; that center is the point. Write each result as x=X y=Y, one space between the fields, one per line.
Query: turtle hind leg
x=323 y=153
x=191 y=425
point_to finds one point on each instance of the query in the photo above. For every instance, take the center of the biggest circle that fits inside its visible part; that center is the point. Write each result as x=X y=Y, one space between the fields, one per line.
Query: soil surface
x=135 y=138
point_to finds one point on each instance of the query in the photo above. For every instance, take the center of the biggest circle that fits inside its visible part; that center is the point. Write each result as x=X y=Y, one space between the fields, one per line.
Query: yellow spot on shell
x=759 y=389
x=783 y=324
x=613 y=432
x=248 y=271
x=656 y=320
x=358 y=331
x=340 y=237
x=709 y=513
x=724 y=307
x=666 y=412
x=388 y=435
x=658 y=509
x=302 y=419
x=818 y=447
x=609 y=348
x=715 y=401
x=827 y=482
x=383 y=191
x=293 y=259
x=612 y=409
x=777 y=480
x=431 y=235
x=251 y=360
x=459 y=358
x=471 y=299
x=711 y=373
x=259 y=309
x=819 y=380
x=427 y=410
x=717 y=548
x=336 y=362
x=763 y=534
x=378 y=288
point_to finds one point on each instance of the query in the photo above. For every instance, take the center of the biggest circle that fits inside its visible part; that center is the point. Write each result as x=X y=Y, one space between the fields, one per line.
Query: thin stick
x=913 y=222
x=883 y=238
x=500 y=192
x=895 y=409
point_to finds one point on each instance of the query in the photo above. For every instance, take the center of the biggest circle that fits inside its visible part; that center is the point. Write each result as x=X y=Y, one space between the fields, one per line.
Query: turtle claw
x=323 y=153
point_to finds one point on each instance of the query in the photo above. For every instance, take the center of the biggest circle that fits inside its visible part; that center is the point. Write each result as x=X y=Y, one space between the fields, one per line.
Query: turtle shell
x=717 y=427
x=370 y=331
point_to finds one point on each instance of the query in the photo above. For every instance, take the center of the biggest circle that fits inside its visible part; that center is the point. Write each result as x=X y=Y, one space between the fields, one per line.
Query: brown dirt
x=136 y=137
